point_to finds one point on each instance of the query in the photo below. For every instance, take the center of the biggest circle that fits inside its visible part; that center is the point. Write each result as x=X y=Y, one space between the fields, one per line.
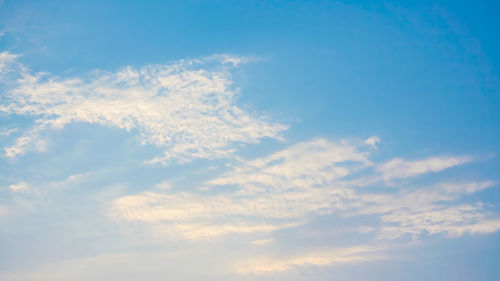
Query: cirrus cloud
x=188 y=107
x=314 y=178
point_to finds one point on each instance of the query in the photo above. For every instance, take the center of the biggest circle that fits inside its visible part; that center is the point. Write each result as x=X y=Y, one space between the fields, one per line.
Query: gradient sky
x=249 y=140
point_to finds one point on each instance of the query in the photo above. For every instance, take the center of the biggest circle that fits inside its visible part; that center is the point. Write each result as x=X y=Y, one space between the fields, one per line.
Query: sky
x=249 y=140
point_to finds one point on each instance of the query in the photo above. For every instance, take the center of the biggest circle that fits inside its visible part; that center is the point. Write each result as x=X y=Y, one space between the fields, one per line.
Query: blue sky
x=245 y=140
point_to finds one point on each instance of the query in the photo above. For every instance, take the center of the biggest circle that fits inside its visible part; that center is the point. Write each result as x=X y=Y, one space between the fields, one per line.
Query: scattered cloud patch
x=6 y=59
x=302 y=166
x=429 y=209
x=188 y=107
x=284 y=187
x=69 y=181
x=313 y=178
x=452 y=221
x=328 y=257
x=19 y=187
x=372 y=141
x=399 y=168
x=166 y=185
x=29 y=141
x=7 y=132
x=201 y=231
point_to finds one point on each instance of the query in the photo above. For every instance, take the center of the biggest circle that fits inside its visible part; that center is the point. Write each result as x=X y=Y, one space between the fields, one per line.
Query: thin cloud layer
x=187 y=107
x=19 y=187
x=285 y=187
x=324 y=257
x=398 y=168
x=306 y=180
x=433 y=209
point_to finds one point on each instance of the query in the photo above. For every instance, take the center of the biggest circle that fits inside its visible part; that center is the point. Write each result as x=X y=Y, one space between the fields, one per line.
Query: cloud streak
x=399 y=168
x=328 y=257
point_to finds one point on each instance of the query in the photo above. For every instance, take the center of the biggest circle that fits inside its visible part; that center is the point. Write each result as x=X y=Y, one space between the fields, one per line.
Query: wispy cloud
x=431 y=209
x=6 y=61
x=399 y=168
x=324 y=257
x=452 y=221
x=70 y=180
x=31 y=140
x=302 y=166
x=19 y=187
x=305 y=180
x=284 y=187
x=372 y=141
x=187 y=107
x=7 y=132
x=203 y=231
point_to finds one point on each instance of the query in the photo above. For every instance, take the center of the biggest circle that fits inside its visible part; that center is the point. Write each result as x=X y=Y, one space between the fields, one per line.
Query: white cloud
x=71 y=180
x=430 y=210
x=452 y=221
x=19 y=187
x=164 y=185
x=302 y=166
x=480 y=227
x=8 y=132
x=308 y=179
x=187 y=107
x=399 y=168
x=6 y=59
x=335 y=256
x=202 y=231
x=284 y=187
x=31 y=140
x=372 y=141
x=419 y=198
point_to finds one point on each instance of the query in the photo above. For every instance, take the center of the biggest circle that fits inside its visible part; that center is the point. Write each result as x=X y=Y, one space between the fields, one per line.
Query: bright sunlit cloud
x=187 y=107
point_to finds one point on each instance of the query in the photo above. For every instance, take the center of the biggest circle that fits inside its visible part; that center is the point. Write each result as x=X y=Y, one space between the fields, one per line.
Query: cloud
x=186 y=107
x=19 y=187
x=164 y=185
x=6 y=60
x=372 y=141
x=6 y=133
x=302 y=166
x=74 y=179
x=31 y=140
x=429 y=209
x=398 y=168
x=308 y=179
x=335 y=256
x=284 y=188
x=209 y=231
x=418 y=198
